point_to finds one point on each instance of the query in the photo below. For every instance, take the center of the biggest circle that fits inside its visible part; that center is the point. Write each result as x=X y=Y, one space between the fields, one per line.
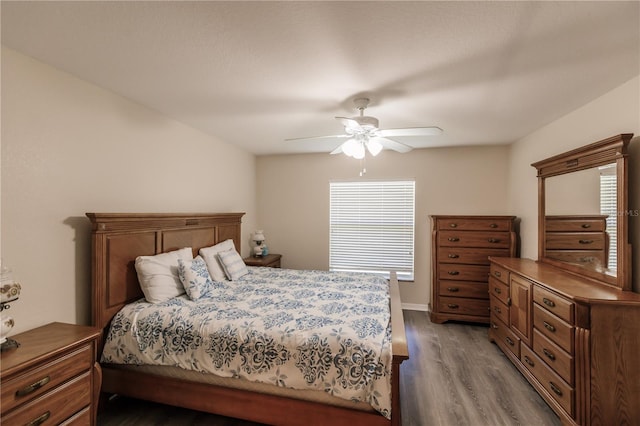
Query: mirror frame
x=606 y=151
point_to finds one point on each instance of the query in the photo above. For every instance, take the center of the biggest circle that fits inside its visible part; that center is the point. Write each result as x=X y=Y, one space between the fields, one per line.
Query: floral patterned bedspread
x=300 y=329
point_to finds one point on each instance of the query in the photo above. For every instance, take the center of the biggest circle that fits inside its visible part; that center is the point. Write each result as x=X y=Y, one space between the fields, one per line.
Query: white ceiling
x=256 y=73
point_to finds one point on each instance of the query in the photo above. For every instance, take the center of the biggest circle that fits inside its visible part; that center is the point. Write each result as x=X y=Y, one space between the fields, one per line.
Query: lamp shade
x=258 y=236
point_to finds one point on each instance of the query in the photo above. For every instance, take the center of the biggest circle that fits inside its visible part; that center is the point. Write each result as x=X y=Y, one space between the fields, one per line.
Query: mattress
x=296 y=330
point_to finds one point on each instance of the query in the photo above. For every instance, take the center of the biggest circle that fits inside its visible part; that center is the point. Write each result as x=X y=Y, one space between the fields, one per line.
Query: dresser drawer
x=499 y=273
x=499 y=309
x=594 y=258
x=41 y=379
x=505 y=337
x=553 y=384
x=55 y=406
x=81 y=418
x=555 y=357
x=471 y=224
x=449 y=271
x=554 y=303
x=499 y=290
x=474 y=239
x=574 y=225
x=475 y=256
x=553 y=327
x=474 y=290
x=463 y=306
x=574 y=241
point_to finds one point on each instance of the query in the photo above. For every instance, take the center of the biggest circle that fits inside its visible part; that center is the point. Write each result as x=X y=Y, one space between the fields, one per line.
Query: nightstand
x=270 y=260
x=51 y=377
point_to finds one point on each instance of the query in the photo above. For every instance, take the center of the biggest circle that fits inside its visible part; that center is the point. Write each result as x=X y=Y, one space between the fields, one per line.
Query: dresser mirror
x=582 y=225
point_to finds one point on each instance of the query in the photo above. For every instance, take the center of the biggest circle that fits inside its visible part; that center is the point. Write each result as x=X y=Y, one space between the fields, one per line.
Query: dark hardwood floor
x=454 y=376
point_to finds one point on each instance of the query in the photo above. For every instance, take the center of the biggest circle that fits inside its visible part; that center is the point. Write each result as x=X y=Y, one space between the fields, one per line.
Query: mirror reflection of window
x=608 y=207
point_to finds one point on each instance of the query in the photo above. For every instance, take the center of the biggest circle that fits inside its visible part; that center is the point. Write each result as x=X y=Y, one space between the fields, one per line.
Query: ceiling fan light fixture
x=374 y=147
x=359 y=151
x=350 y=147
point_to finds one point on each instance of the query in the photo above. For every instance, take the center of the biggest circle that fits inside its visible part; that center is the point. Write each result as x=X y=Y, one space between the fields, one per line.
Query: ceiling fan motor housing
x=366 y=121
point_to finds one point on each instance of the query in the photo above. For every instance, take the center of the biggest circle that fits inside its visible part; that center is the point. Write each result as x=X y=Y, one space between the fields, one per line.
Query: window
x=609 y=207
x=372 y=227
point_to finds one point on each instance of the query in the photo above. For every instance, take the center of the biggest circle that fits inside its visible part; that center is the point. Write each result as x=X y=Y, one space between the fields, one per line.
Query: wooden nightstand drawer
x=270 y=261
x=40 y=380
x=52 y=377
x=54 y=407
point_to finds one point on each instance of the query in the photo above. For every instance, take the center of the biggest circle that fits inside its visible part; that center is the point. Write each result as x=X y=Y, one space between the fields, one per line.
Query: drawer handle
x=585 y=241
x=586 y=225
x=509 y=341
x=453 y=272
x=453 y=289
x=494 y=240
x=453 y=239
x=453 y=225
x=548 y=302
x=493 y=225
x=453 y=256
x=452 y=305
x=39 y=420
x=528 y=361
x=497 y=274
x=549 y=327
x=555 y=388
x=497 y=309
x=497 y=290
x=33 y=387
x=494 y=325
x=549 y=354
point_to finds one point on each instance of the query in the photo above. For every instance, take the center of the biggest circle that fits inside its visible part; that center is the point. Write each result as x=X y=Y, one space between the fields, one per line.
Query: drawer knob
x=549 y=327
x=453 y=272
x=497 y=274
x=509 y=341
x=453 y=256
x=33 y=386
x=586 y=225
x=453 y=289
x=494 y=240
x=453 y=239
x=528 y=361
x=40 y=419
x=555 y=388
x=585 y=241
x=548 y=302
x=497 y=290
x=549 y=354
x=453 y=225
x=497 y=309
x=494 y=325
x=493 y=225
x=452 y=306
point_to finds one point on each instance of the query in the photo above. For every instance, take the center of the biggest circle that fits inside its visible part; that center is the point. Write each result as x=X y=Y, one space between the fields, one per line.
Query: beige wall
x=69 y=147
x=618 y=111
x=293 y=199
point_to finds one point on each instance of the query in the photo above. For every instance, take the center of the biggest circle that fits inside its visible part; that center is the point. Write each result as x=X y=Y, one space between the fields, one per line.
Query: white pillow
x=158 y=275
x=209 y=254
x=195 y=277
x=232 y=264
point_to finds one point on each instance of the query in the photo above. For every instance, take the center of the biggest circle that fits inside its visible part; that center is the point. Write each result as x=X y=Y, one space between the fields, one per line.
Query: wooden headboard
x=118 y=238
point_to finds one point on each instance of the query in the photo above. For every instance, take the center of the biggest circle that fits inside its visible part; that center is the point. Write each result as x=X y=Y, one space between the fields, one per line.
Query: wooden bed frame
x=118 y=238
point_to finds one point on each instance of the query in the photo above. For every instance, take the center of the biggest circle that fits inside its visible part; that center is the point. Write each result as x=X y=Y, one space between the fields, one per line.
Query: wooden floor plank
x=454 y=376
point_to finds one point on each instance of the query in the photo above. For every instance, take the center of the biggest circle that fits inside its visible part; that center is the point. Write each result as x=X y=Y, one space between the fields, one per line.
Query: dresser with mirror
x=569 y=321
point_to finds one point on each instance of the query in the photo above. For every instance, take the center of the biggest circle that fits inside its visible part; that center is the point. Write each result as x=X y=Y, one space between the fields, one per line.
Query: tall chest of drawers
x=52 y=377
x=461 y=246
x=575 y=342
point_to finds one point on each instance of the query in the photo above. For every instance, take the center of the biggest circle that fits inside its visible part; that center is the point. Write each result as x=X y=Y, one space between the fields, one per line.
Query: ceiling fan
x=363 y=134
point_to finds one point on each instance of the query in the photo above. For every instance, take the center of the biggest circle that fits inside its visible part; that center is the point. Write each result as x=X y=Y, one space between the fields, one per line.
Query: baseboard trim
x=415 y=307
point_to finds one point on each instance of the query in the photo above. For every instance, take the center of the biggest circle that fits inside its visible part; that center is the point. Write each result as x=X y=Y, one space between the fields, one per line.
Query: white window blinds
x=609 y=207
x=372 y=227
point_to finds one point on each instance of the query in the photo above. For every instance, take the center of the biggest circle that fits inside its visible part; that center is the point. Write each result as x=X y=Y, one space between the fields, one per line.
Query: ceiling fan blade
x=328 y=138
x=411 y=131
x=349 y=123
x=393 y=145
